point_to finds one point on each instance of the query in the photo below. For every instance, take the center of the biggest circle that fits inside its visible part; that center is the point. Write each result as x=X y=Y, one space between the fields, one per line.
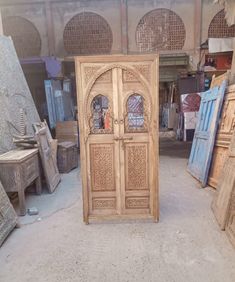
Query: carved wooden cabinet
x=224 y=134
x=19 y=169
x=118 y=115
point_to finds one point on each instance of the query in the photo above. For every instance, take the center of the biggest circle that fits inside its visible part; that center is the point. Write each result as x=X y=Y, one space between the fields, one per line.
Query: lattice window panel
x=219 y=28
x=160 y=29
x=88 y=33
x=25 y=36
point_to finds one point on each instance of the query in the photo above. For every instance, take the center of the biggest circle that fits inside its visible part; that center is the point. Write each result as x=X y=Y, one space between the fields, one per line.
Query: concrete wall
x=62 y=11
x=34 y=13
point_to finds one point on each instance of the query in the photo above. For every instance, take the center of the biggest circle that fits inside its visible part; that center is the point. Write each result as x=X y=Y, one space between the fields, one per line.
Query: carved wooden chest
x=67 y=156
x=19 y=169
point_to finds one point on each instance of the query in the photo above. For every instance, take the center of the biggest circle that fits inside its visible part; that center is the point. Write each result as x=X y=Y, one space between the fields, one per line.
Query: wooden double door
x=118 y=102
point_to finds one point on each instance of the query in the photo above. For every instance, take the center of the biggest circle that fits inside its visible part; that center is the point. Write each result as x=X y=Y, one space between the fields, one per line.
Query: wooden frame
x=48 y=159
x=116 y=77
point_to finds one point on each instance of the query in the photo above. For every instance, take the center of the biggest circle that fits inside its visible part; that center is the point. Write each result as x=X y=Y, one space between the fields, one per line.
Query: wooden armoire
x=118 y=125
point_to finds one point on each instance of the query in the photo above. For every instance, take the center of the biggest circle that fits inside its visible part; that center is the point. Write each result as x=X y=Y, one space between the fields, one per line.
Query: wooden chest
x=67 y=156
x=19 y=169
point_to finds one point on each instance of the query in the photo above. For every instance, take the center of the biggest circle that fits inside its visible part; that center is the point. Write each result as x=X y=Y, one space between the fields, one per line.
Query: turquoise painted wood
x=205 y=133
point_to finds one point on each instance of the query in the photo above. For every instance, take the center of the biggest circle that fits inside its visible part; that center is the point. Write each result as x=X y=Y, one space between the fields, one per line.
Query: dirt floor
x=186 y=245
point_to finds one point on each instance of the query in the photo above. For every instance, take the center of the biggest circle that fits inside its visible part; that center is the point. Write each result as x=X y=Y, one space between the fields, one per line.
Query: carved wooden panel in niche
x=89 y=73
x=136 y=166
x=102 y=167
x=128 y=76
x=143 y=70
x=223 y=138
x=103 y=203
x=137 y=202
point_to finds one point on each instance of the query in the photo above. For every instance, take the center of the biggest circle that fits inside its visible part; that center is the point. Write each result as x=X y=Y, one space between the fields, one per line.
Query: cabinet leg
x=38 y=186
x=21 y=196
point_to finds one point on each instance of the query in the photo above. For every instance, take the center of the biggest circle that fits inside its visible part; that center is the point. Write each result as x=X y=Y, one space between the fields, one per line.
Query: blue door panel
x=204 y=138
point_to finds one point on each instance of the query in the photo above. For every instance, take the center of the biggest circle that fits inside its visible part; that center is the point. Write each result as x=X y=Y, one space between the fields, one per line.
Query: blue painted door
x=204 y=137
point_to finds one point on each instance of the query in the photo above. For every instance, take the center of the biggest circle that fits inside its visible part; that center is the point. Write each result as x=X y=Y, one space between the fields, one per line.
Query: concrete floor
x=186 y=245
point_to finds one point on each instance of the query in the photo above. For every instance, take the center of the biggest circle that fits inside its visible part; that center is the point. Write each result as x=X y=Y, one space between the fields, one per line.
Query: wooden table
x=19 y=169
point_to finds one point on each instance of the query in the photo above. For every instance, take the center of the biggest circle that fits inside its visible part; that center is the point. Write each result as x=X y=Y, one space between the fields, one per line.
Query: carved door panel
x=223 y=137
x=118 y=101
x=224 y=202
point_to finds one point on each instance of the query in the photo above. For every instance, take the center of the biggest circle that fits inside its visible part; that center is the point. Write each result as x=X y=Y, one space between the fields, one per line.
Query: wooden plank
x=48 y=160
x=226 y=186
x=205 y=133
x=8 y=217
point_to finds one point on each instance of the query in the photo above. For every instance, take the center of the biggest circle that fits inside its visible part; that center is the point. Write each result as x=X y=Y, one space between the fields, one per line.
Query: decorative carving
x=144 y=70
x=105 y=77
x=101 y=203
x=137 y=167
x=102 y=167
x=110 y=67
x=137 y=202
x=89 y=73
x=128 y=76
x=223 y=138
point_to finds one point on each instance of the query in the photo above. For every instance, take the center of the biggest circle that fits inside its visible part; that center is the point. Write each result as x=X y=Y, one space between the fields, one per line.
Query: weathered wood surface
x=67 y=156
x=8 y=217
x=223 y=137
x=226 y=188
x=67 y=131
x=17 y=155
x=230 y=226
x=205 y=133
x=119 y=162
x=19 y=169
x=48 y=160
x=217 y=80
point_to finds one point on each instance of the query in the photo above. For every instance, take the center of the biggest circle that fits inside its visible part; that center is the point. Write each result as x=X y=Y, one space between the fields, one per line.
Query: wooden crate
x=67 y=131
x=67 y=156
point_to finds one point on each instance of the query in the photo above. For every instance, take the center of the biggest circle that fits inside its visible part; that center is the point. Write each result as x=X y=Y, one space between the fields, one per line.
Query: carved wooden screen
x=224 y=134
x=118 y=111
